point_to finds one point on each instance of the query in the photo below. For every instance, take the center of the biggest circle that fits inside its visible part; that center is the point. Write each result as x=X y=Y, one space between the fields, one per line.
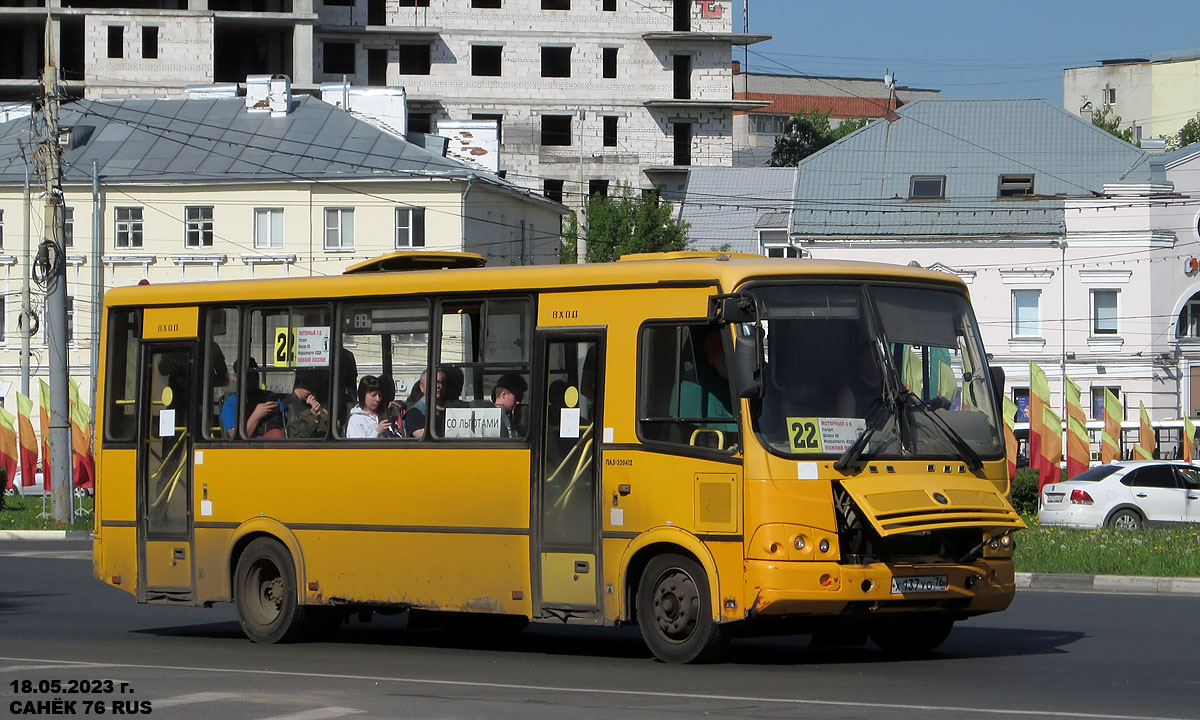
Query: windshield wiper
x=974 y=462
x=878 y=415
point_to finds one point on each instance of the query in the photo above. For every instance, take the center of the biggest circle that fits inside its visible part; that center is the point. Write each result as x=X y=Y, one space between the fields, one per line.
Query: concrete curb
x=1108 y=583
x=45 y=534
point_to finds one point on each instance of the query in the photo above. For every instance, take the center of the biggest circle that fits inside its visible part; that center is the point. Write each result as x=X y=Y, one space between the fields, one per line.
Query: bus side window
x=220 y=375
x=294 y=350
x=390 y=342
x=484 y=356
x=683 y=395
x=120 y=397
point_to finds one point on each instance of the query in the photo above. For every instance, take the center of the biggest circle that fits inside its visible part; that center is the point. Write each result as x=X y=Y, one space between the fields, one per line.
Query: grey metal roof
x=197 y=140
x=723 y=205
x=1176 y=55
x=860 y=184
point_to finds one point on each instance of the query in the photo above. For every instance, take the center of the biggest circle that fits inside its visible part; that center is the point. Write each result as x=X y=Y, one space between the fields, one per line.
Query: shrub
x=1025 y=491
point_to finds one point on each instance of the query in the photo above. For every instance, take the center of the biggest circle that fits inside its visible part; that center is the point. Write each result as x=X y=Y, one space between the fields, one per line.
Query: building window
x=339 y=229
x=499 y=118
x=927 y=187
x=410 y=227
x=68 y=226
x=1015 y=186
x=556 y=130
x=377 y=67
x=420 y=122
x=1 y=229
x=70 y=319
x=116 y=41
x=415 y=59
x=682 y=16
x=413 y=3
x=1104 y=312
x=486 y=4
x=556 y=4
x=198 y=232
x=150 y=42
x=129 y=227
x=556 y=62
x=1026 y=313
x=609 y=56
x=683 y=77
x=3 y=319
x=485 y=60
x=1098 y=399
x=268 y=228
x=339 y=58
x=338 y=3
x=598 y=186
x=1020 y=396
x=683 y=143
x=1110 y=96
x=782 y=251
x=764 y=124
x=553 y=189
x=610 y=5
x=610 y=130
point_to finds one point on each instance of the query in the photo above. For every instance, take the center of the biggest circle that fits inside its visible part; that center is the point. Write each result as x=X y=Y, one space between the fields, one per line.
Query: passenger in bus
x=507 y=395
x=366 y=418
x=863 y=385
x=255 y=396
x=414 y=419
x=449 y=395
x=305 y=416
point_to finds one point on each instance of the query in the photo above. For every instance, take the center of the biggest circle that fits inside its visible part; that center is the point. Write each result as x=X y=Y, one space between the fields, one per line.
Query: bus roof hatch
x=405 y=260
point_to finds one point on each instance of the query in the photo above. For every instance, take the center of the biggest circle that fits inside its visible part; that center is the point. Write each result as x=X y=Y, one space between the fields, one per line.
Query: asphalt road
x=1076 y=655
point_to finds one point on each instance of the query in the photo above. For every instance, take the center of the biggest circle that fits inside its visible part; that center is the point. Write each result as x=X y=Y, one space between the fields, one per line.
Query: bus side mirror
x=747 y=364
x=997 y=374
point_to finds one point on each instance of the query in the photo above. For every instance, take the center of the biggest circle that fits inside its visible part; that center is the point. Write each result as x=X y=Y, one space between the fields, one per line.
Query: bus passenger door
x=566 y=468
x=165 y=473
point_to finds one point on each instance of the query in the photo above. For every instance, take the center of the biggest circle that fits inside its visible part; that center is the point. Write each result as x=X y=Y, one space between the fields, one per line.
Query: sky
x=965 y=48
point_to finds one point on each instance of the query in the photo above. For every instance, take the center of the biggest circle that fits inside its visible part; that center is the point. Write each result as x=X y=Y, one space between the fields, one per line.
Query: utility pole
x=52 y=277
x=25 y=318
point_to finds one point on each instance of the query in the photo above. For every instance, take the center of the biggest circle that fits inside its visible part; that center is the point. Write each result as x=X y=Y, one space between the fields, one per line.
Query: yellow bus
x=699 y=443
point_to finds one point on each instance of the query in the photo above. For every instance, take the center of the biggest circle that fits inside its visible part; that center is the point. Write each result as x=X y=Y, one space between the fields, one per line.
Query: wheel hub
x=675 y=603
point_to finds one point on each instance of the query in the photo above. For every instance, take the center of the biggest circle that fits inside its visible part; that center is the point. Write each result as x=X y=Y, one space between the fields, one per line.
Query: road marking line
x=317 y=714
x=22 y=668
x=193 y=698
x=626 y=693
x=49 y=554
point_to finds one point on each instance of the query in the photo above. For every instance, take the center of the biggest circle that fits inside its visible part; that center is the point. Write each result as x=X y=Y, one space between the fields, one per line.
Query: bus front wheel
x=674 y=612
x=265 y=593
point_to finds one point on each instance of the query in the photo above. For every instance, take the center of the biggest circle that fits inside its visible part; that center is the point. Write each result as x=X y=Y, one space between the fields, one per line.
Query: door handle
x=581 y=567
x=1193 y=497
x=1141 y=494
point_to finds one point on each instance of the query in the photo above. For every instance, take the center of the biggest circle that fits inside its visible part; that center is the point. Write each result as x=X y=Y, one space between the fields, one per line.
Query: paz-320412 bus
x=695 y=443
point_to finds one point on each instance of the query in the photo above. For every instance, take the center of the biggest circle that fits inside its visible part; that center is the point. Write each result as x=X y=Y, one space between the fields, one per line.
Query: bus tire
x=265 y=593
x=674 y=611
x=911 y=635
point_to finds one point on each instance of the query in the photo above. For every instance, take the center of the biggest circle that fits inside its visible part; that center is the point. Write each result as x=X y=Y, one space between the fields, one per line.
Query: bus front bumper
x=803 y=588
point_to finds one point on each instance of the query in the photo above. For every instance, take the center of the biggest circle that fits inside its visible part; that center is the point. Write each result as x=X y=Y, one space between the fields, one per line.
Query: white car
x=1127 y=495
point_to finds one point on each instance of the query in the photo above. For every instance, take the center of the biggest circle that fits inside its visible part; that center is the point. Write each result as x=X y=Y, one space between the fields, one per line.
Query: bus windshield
x=877 y=371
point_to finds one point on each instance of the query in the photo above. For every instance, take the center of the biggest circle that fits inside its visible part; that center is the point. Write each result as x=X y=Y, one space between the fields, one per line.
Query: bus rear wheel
x=674 y=611
x=265 y=593
x=911 y=635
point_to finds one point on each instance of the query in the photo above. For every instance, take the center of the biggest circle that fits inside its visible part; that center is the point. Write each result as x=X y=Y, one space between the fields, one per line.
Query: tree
x=1188 y=134
x=622 y=224
x=1110 y=122
x=808 y=133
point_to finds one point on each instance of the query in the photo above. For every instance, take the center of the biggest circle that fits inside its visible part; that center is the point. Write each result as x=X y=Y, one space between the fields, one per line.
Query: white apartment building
x=585 y=93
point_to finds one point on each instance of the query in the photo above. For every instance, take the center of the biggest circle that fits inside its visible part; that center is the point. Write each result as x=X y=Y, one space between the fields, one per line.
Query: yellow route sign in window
x=285 y=347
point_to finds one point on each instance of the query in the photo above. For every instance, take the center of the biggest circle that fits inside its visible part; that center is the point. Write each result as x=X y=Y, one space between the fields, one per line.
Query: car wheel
x=674 y=612
x=1125 y=519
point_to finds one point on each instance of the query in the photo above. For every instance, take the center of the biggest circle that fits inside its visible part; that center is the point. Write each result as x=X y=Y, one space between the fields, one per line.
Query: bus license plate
x=928 y=583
